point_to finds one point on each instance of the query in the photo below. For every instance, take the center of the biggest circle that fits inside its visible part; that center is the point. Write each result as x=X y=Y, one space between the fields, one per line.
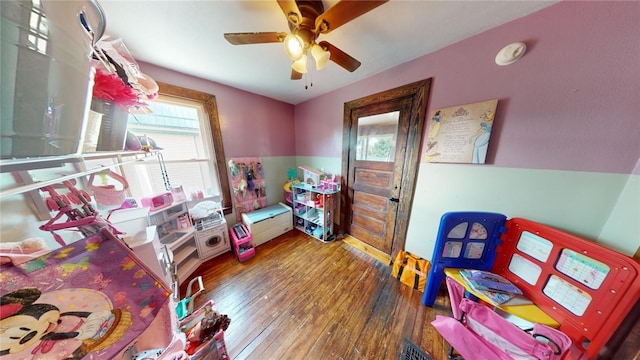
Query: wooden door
x=382 y=140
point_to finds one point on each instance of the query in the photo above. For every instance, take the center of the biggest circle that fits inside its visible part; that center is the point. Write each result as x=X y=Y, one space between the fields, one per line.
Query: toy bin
x=242 y=242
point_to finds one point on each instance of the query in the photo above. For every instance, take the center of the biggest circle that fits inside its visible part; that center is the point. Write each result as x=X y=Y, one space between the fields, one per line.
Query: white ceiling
x=187 y=36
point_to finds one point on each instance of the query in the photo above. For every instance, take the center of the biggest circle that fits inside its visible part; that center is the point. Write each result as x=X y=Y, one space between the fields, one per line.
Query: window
x=37 y=34
x=376 y=139
x=184 y=124
x=179 y=128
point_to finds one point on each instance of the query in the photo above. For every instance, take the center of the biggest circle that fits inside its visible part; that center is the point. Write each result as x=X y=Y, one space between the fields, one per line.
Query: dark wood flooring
x=299 y=298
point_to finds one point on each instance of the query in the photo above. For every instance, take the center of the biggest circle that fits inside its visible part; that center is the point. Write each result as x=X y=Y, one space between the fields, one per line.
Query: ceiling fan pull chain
x=308 y=81
x=308 y=78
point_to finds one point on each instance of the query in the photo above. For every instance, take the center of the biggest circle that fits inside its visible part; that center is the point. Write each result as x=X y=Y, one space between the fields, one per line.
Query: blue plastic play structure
x=465 y=240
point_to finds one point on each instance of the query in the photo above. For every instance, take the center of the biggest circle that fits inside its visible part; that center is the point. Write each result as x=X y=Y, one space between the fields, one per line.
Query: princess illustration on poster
x=460 y=134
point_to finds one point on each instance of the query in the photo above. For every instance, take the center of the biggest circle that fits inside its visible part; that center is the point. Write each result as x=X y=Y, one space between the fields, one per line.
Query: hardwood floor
x=299 y=298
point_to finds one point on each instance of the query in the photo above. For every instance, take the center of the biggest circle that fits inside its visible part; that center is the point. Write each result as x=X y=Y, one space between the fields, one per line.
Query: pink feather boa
x=111 y=88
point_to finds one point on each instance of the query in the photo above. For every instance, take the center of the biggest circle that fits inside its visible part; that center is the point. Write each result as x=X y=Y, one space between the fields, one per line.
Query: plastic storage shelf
x=313 y=211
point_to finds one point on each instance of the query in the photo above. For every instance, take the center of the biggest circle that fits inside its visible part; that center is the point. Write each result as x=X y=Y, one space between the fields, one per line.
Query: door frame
x=419 y=92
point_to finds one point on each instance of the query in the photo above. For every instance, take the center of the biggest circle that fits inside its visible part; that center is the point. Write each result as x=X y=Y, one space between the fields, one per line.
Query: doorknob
x=395 y=200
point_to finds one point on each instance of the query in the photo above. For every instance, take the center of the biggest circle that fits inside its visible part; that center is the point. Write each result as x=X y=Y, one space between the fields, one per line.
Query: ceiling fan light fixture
x=300 y=65
x=320 y=55
x=293 y=46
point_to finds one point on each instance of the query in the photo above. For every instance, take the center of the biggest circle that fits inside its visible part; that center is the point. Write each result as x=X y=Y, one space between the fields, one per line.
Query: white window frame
x=210 y=109
x=140 y=180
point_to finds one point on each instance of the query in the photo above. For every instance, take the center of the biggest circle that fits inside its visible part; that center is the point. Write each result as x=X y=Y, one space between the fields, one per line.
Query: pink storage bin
x=243 y=246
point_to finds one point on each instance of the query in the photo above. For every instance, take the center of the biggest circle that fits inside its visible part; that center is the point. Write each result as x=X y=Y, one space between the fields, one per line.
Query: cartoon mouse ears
x=7 y=310
x=14 y=301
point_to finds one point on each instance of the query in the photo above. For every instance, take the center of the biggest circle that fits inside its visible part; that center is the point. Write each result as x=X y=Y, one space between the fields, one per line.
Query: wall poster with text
x=460 y=134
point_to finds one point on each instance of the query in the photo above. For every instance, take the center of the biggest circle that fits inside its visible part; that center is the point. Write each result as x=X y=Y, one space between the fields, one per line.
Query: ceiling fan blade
x=254 y=37
x=343 y=12
x=291 y=11
x=340 y=57
x=295 y=75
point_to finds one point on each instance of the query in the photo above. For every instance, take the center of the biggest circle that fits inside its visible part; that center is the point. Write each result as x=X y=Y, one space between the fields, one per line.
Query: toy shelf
x=313 y=211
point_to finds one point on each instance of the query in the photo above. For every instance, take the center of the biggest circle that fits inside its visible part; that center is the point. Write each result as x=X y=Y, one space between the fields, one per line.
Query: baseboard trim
x=368 y=249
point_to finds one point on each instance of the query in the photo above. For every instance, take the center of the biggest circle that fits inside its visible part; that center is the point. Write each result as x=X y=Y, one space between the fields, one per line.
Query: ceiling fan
x=307 y=20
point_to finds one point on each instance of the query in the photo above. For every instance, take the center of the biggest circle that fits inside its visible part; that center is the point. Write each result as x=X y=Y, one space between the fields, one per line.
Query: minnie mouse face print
x=23 y=323
x=42 y=324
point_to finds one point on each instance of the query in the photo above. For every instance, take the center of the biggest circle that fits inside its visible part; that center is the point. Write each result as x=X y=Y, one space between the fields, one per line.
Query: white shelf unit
x=23 y=167
x=314 y=211
x=30 y=174
x=38 y=172
x=182 y=242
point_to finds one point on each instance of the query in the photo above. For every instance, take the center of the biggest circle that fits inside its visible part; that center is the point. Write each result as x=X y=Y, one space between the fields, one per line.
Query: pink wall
x=571 y=103
x=252 y=125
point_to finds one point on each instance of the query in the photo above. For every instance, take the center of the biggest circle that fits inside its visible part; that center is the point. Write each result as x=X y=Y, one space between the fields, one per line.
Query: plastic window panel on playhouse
x=465 y=240
x=587 y=288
